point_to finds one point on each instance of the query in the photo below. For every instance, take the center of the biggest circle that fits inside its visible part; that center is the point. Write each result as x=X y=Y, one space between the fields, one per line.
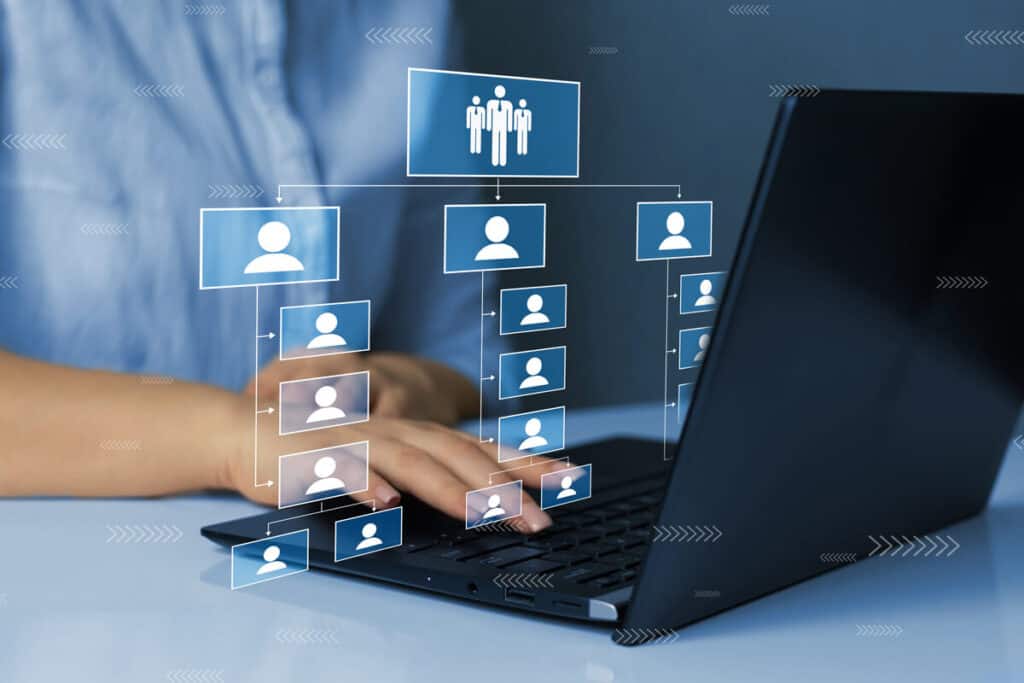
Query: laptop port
x=519 y=597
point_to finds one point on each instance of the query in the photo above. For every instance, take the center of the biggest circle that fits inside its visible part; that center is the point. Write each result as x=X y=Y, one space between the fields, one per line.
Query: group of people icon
x=500 y=119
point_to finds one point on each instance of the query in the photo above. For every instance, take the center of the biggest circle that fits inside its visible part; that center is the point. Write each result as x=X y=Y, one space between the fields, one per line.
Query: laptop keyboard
x=597 y=543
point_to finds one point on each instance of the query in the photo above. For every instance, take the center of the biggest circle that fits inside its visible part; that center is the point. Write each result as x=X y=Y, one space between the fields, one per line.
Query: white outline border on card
x=531 y=412
x=565 y=306
x=590 y=473
x=543 y=234
x=711 y=309
x=679 y=346
x=408 y=131
x=344 y=492
x=495 y=486
x=337 y=239
x=264 y=540
x=711 y=230
x=280 y=409
x=401 y=532
x=679 y=403
x=565 y=362
x=280 y=329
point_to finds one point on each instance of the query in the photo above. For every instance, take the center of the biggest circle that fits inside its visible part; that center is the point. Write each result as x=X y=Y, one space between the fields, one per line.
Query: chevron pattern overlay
x=523 y=580
x=195 y=676
x=34 y=141
x=307 y=636
x=995 y=38
x=960 y=282
x=204 y=10
x=879 y=630
x=776 y=90
x=235 y=191
x=143 y=533
x=603 y=50
x=749 y=10
x=156 y=379
x=678 y=533
x=654 y=636
x=838 y=558
x=104 y=229
x=903 y=546
x=400 y=35
x=121 y=445
x=158 y=90
x=8 y=281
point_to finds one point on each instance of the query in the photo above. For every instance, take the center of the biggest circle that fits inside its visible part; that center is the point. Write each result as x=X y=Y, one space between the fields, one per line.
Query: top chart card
x=488 y=125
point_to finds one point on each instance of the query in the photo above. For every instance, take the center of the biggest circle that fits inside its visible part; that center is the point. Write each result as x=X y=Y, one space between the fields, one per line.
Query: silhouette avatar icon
x=270 y=561
x=475 y=116
x=533 y=438
x=675 y=223
x=499 y=123
x=705 y=298
x=325 y=398
x=273 y=238
x=703 y=342
x=326 y=481
x=494 y=508
x=567 y=490
x=326 y=324
x=534 y=379
x=369 y=537
x=496 y=229
x=534 y=303
x=522 y=123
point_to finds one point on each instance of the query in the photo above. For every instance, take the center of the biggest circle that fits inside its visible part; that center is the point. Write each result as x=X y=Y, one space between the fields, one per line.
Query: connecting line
x=480 y=375
x=496 y=185
x=256 y=405
x=373 y=504
x=664 y=391
x=563 y=459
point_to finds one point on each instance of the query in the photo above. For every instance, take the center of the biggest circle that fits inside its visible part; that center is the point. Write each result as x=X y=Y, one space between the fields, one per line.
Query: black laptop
x=864 y=380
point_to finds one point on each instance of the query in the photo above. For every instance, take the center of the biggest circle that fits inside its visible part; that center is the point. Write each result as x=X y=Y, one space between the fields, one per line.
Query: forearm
x=90 y=433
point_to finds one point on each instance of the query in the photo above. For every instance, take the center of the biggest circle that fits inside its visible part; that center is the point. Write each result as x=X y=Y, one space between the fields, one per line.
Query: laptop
x=863 y=381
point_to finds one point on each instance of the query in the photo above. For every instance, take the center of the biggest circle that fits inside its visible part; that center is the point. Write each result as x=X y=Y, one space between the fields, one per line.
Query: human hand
x=400 y=385
x=434 y=463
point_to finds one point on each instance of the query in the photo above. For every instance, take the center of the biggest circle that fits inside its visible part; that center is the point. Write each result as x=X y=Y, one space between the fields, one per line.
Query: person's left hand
x=400 y=385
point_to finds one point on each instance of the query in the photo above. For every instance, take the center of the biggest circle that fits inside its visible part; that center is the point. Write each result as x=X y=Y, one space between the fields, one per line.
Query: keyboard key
x=418 y=546
x=567 y=557
x=584 y=572
x=510 y=555
x=486 y=544
x=534 y=566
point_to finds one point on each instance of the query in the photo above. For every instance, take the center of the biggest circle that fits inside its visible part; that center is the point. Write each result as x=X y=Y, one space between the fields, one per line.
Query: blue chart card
x=533 y=309
x=266 y=559
x=324 y=329
x=466 y=124
x=671 y=230
x=369 y=533
x=493 y=237
x=565 y=486
x=494 y=504
x=531 y=372
x=256 y=246
x=533 y=433
x=699 y=292
x=693 y=346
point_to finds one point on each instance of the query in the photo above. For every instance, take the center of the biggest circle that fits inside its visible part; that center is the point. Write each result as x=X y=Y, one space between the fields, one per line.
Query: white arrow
x=268 y=411
x=268 y=335
x=673 y=296
x=670 y=405
x=488 y=314
x=489 y=378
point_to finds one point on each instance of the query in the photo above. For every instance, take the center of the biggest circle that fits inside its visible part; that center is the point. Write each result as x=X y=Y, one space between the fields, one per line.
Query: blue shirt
x=154 y=111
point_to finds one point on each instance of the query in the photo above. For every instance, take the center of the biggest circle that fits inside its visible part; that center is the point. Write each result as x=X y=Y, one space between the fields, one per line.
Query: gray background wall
x=686 y=100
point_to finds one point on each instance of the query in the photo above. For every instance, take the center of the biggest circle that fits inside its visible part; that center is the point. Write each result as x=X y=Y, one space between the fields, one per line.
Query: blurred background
x=676 y=91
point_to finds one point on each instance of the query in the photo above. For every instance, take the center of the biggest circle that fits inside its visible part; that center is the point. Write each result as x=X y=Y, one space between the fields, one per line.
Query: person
x=675 y=223
x=567 y=490
x=475 y=115
x=534 y=303
x=325 y=398
x=112 y=334
x=533 y=377
x=496 y=230
x=271 y=563
x=494 y=508
x=522 y=123
x=326 y=324
x=324 y=469
x=533 y=438
x=370 y=539
x=499 y=123
x=273 y=238
x=705 y=298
